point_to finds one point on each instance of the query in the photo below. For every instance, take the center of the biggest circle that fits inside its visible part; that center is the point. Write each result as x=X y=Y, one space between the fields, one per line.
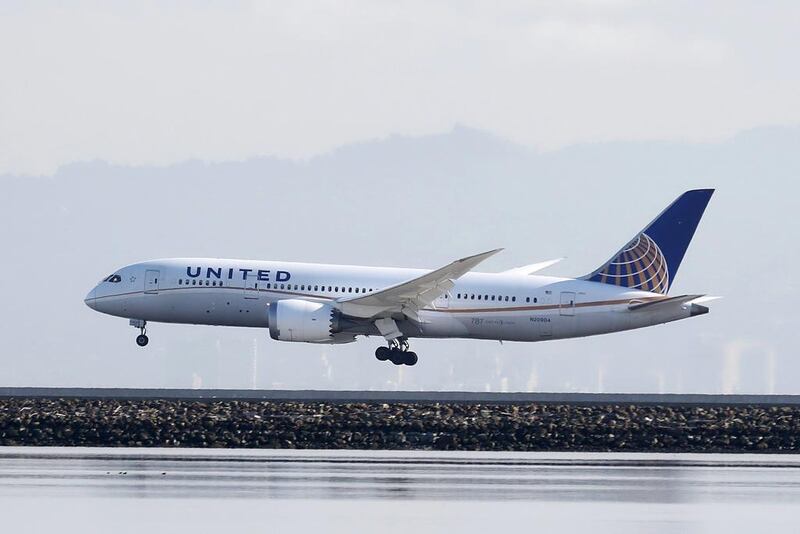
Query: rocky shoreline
x=401 y=426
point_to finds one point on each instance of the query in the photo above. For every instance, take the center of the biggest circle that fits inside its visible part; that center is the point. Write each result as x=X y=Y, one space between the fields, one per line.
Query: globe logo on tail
x=640 y=265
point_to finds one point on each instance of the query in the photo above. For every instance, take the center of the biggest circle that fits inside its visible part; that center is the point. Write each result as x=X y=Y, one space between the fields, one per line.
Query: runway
x=167 y=490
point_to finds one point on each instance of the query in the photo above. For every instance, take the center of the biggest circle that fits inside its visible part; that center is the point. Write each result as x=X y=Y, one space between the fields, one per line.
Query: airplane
x=320 y=303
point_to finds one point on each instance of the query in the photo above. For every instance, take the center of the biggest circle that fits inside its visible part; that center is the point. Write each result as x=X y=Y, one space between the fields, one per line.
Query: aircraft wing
x=533 y=267
x=409 y=297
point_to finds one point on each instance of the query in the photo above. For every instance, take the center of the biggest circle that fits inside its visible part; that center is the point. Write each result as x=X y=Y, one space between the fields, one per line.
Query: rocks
x=435 y=426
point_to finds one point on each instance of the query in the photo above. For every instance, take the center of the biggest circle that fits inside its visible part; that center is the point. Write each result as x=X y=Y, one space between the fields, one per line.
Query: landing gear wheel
x=397 y=357
x=141 y=325
x=397 y=352
x=383 y=353
x=402 y=357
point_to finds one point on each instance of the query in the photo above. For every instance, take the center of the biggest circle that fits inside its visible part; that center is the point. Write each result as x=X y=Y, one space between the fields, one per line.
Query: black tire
x=411 y=358
x=383 y=353
x=397 y=357
x=142 y=340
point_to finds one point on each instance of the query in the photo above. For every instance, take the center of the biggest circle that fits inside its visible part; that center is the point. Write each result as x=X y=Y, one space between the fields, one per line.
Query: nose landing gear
x=142 y=338
x=397 y=352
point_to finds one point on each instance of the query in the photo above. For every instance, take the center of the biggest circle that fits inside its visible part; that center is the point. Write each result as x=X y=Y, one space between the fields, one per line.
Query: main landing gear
x=397 y=352
x=142 y=338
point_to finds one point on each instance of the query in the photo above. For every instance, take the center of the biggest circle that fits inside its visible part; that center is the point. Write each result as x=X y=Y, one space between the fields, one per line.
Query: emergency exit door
x=567 y=306
x=151 y=281
x=251 y=287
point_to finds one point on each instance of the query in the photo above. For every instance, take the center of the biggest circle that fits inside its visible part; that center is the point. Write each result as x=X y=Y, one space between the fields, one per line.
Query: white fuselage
x=511 y=307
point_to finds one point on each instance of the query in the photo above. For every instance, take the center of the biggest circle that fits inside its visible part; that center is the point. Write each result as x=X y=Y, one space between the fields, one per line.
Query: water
x=167 y=490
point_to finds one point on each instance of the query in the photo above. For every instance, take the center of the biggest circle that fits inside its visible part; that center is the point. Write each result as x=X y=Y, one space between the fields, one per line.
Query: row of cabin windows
x=318 y=288
x=270 y=285
x=335 y=289
x=497 y=298
x=182 y=282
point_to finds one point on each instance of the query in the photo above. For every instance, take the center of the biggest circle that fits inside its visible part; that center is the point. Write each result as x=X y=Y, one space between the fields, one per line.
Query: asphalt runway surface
x=166 y=490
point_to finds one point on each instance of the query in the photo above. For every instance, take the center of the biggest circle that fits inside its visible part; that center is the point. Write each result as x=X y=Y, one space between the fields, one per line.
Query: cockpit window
x=114 y=278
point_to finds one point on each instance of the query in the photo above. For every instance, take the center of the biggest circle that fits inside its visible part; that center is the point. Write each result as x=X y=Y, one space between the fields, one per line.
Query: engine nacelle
x=302 y=320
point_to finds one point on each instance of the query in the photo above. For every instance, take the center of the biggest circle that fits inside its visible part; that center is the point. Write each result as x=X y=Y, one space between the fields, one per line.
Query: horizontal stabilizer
x=704 y=299
x=533 y=267
x=671 y=301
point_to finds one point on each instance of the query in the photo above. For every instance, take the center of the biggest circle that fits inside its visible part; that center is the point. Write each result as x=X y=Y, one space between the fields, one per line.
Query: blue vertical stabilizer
x=651 y=259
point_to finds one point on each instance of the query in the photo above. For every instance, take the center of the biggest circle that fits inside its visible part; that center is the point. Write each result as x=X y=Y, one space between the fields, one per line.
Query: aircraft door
x=567 y=305
x=151 y=281
x=251 y=287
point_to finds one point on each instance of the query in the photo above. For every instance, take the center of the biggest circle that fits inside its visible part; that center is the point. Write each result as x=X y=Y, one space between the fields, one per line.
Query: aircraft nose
x=89 y=300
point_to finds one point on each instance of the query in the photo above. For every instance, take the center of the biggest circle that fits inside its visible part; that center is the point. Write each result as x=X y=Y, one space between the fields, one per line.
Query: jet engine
x=303 y=320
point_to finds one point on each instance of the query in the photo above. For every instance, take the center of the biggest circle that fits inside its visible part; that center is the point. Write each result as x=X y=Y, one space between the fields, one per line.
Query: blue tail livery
x=651 y=259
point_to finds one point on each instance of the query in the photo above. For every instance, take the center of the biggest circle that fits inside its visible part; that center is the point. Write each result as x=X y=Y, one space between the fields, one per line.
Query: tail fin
x=651 y=259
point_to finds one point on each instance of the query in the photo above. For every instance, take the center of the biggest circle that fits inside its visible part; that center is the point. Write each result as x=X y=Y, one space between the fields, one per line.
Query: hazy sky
x=131 y=131
x=161 y=82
